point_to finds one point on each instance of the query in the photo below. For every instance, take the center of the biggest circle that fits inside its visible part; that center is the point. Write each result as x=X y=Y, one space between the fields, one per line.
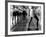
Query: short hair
x=24 y=13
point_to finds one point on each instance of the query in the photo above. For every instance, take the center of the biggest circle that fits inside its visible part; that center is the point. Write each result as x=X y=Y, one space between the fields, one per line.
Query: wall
x=2 y=18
